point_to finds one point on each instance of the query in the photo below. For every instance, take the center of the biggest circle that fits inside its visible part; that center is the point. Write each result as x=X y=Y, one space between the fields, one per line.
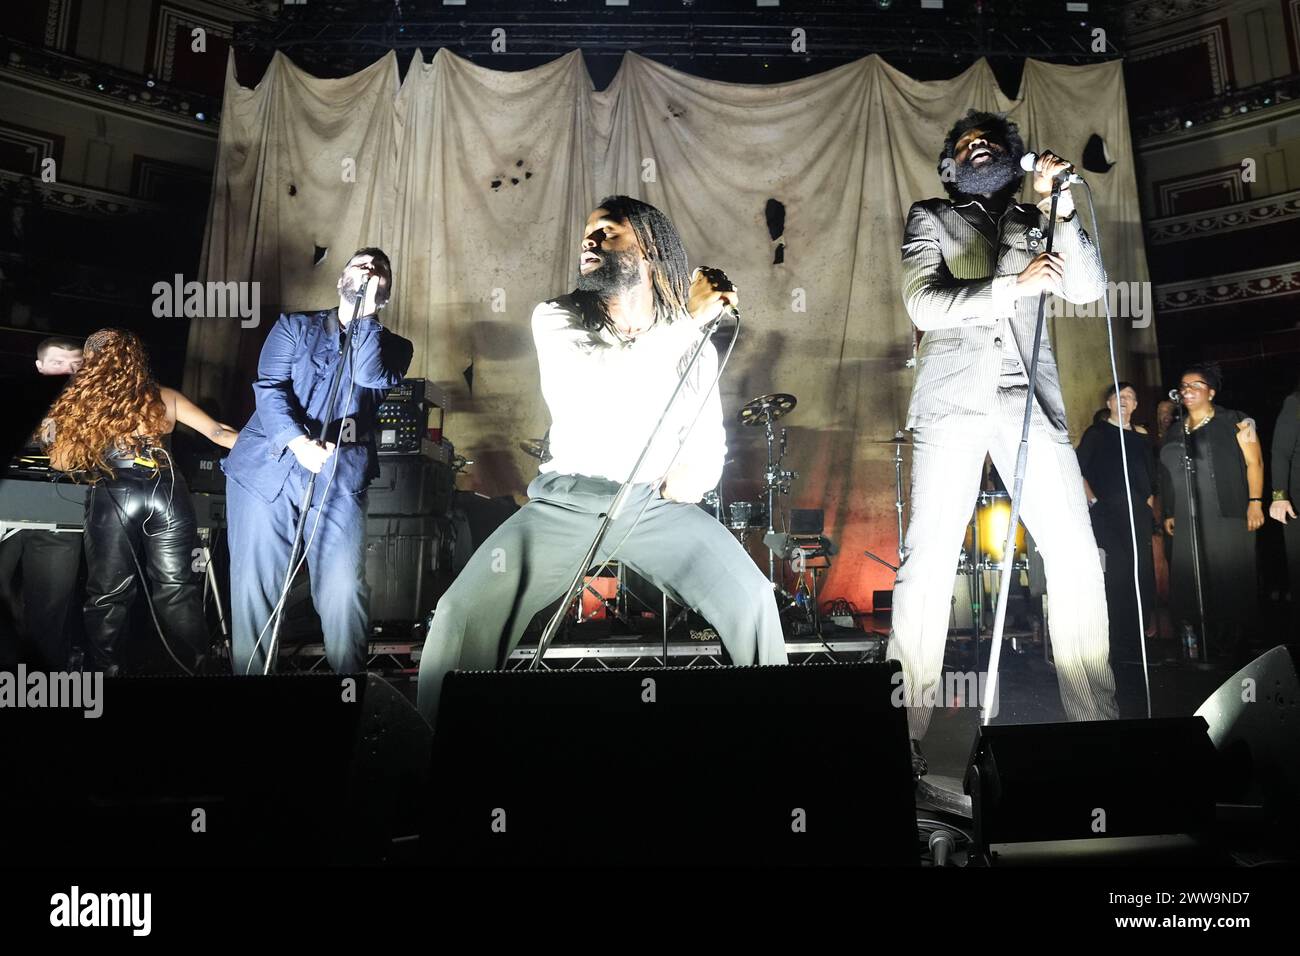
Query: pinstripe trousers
x=947 y=460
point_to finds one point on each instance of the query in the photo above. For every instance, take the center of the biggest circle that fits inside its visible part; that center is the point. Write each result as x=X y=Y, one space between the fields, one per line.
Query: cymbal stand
x=776 y=479
x=899 y=438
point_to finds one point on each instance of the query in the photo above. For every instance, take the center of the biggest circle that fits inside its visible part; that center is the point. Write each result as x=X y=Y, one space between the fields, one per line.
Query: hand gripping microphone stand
x=305 y=506
x=1022 y=459
x=575 y=586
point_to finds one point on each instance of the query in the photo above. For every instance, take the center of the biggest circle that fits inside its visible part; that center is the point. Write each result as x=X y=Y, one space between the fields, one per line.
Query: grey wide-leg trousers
x=527 y=562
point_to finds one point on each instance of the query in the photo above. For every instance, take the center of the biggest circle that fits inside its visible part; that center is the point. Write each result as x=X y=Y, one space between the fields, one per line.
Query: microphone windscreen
x=1027 y=161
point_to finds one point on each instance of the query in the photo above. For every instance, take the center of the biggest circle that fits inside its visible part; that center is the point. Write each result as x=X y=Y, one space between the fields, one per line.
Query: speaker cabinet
x=716 y=765
x=215 y=770
x=1090 y=779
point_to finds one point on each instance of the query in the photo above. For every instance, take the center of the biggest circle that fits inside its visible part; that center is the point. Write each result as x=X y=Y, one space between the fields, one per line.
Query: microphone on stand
x=1067 y=175
x=1176 y=396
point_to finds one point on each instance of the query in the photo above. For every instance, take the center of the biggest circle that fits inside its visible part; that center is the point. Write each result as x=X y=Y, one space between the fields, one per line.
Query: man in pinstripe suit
x=973 y=267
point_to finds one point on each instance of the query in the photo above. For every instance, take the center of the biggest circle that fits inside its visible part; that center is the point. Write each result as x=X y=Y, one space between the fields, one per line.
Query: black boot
x=919 y=767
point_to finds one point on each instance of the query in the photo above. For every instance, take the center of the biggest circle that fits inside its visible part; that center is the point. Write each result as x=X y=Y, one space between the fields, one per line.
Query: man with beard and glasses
x=973 y=267
x=276 y=455
x=621 y=340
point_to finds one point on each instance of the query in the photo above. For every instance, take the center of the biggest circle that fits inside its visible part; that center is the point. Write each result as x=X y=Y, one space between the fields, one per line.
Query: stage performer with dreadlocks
x=620 y=340
x=110 y=426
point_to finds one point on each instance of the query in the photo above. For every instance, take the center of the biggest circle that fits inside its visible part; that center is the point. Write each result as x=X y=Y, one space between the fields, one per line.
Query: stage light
x=1187 y=124
x=884 y=4
x=200 y=117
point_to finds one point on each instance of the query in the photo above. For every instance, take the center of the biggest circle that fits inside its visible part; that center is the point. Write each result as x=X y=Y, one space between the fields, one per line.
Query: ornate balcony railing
x=1228 y=289
x=1193 y=118
x=1212 y=222
x=79 y=200
x=130 y=91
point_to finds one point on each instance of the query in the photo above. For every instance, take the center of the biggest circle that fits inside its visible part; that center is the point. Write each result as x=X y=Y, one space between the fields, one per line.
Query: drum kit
x=986 y=537
x=982 y=547
x=745 y=518
x=796 y=543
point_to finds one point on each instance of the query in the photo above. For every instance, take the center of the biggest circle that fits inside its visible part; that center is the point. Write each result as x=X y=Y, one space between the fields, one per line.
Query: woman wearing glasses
x=1228 y=483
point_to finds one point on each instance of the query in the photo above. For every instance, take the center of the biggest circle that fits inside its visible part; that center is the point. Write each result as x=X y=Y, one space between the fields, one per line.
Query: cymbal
x=766 y=408
x=898 y=437
x=538 y=448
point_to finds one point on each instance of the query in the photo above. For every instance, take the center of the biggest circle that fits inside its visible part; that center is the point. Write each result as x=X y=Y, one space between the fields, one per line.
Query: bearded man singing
x=620 y=341
x=973 y=267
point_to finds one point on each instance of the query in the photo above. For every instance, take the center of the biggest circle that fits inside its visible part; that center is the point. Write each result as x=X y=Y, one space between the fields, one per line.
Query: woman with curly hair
x=109 y=427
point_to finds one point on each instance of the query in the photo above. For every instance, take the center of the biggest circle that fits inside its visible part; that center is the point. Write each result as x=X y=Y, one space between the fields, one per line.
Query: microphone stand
x=1193 y=514
x=296 y=551
x=575 y=586
x=1022 y=459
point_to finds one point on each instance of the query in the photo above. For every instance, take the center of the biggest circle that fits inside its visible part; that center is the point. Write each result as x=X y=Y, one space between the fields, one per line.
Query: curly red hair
x=111 y=402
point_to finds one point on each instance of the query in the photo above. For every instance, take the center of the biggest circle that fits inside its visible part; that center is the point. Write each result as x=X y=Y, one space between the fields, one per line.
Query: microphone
x=1067 y=175
x=1176 y=396
x=728 y=311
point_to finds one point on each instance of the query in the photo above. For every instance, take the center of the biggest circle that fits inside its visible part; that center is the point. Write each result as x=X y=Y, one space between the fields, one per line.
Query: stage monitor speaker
x=1254 y=720
x=1091 y=779
x=216 y=771
x=719 y=765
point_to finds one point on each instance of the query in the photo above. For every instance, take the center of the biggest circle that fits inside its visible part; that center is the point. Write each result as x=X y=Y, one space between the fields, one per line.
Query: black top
x=1214 y=446
x=1102 y=466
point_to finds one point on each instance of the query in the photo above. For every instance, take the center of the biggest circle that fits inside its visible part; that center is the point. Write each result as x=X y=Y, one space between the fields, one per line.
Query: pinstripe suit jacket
x=951 y=254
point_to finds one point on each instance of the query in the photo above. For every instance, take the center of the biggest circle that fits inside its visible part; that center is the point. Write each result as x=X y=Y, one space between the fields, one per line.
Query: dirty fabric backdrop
x=477 y=183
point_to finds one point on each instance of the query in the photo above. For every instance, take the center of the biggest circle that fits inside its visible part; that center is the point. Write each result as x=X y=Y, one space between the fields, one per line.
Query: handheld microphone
x=1067 y=175
x=1176 y=396
x=728 y=311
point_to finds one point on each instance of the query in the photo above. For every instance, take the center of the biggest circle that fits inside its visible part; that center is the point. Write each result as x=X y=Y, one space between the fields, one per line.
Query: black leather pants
x=138 y=516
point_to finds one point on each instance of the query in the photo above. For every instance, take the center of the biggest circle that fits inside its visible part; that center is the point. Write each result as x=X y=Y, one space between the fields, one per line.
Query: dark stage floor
x=1028 y=694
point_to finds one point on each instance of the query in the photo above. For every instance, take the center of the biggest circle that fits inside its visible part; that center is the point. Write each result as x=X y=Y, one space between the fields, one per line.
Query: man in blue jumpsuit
x=276 y=454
